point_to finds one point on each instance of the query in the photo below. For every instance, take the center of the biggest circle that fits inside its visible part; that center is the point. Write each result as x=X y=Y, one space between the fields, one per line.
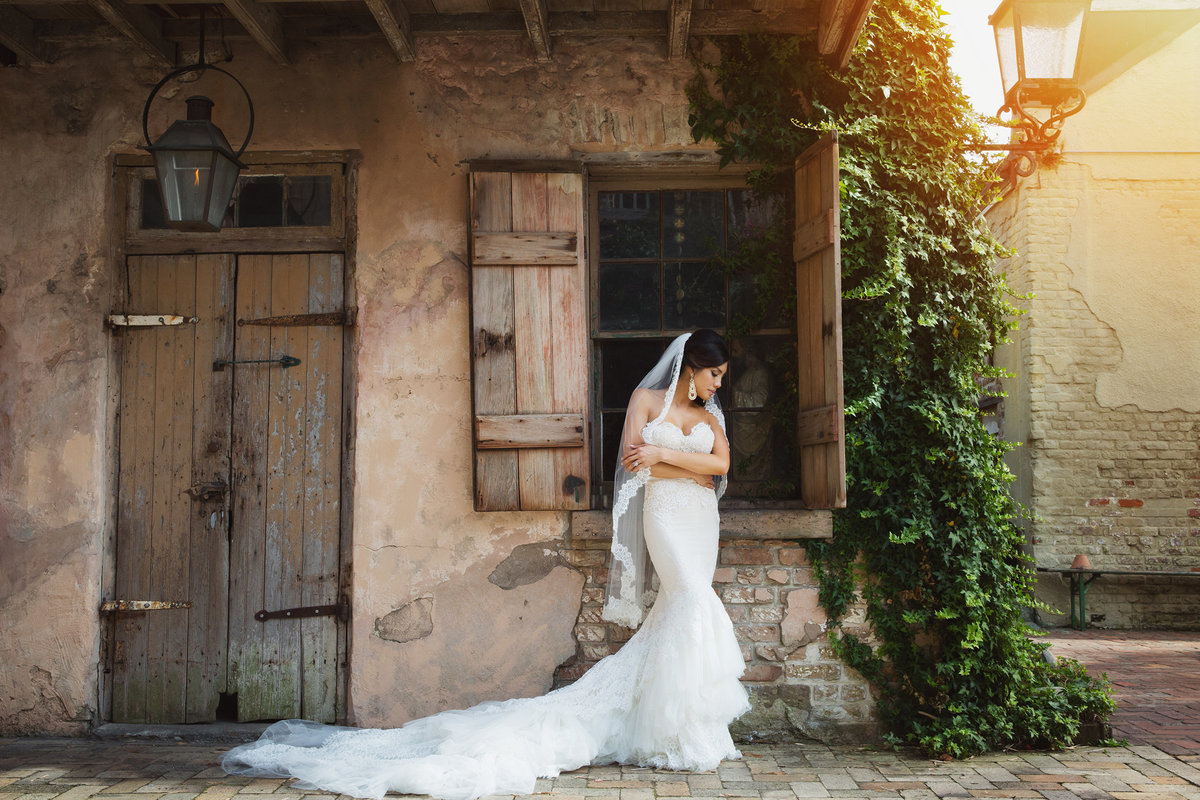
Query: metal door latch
x=283 y=361
x=118 y=606
x=340 y=610
x=207 y=490
x=148 y=320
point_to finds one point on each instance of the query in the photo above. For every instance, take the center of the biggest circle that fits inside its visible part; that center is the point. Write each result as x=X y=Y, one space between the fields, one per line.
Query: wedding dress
x=665 y=699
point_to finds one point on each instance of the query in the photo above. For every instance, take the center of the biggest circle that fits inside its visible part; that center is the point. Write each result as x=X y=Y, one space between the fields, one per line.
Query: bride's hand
x=704 y=480
x=642 y=456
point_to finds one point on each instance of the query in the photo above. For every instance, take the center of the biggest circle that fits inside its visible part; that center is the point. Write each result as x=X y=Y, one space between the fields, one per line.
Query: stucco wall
x=449 y=606
x=1107 y=361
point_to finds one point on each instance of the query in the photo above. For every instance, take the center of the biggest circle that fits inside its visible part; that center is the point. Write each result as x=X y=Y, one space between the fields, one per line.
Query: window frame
x=296 y=238
x=647 y=179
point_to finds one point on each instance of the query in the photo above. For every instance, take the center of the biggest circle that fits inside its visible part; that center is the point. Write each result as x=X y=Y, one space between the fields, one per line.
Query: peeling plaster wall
x=415 y=534
x=1106 y=393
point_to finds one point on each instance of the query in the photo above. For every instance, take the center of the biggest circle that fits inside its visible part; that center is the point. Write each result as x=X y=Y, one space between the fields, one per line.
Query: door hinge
x=148 y=320
x=207 y=490
x=336 y=318
x=339 y=610
x=283 y=361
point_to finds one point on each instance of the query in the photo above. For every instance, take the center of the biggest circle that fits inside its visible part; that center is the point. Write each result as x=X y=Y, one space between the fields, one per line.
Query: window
x=659 y=259
x=259 y=201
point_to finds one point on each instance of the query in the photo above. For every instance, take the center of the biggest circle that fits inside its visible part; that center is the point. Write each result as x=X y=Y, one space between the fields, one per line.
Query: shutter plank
x=819 y=326
x=534 y=341
x=493 y=350
x=544 y=248
x=568 y=292
x=529 y=430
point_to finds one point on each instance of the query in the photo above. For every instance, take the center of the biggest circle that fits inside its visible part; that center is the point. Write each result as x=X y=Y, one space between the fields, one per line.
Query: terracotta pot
x=1081 y=562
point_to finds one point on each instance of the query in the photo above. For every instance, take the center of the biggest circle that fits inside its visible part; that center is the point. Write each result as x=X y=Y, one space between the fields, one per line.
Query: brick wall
x=1118 y=483
x=798 y=686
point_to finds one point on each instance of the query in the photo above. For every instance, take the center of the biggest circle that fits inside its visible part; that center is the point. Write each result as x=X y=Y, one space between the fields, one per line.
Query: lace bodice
x=667 y=434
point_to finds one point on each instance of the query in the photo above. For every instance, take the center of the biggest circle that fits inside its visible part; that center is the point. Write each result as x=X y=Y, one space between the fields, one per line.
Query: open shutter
x=819 y=326
x=529 y=341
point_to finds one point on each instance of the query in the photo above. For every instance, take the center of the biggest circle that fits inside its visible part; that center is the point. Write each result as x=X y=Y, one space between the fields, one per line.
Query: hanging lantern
x=197 y=169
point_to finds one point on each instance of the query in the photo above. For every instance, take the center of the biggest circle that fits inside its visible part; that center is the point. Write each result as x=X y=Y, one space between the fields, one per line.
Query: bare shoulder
x=647 y=399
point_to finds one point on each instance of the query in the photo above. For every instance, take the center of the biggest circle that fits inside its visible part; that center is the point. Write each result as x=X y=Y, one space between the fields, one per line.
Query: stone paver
x=127 y=769
x=1155 y=677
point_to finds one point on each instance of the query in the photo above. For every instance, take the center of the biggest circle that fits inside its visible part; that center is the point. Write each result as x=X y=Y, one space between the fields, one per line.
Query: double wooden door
x=229 y=490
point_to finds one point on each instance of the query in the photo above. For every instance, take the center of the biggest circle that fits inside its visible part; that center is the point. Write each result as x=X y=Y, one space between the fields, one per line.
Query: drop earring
x=692 y=387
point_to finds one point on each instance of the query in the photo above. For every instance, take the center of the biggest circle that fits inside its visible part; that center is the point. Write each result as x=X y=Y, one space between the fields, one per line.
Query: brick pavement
x=1156 y=678
x=95 y=769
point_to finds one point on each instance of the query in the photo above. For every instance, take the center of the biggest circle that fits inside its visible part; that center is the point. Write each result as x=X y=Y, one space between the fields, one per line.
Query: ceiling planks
x=394 y=20
x=679 y=23
x=263 y=23
x=140 y=25
x=16 y=33
x=536 y=16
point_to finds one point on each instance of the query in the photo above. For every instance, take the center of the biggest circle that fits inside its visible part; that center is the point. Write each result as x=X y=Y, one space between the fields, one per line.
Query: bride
x=663 y=700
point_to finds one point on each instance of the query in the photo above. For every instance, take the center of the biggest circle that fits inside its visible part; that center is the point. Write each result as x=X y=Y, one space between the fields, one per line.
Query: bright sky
x=974 y=56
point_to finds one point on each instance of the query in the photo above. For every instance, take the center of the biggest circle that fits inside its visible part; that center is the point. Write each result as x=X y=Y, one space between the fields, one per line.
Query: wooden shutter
x=529 y=341
x=819 y=326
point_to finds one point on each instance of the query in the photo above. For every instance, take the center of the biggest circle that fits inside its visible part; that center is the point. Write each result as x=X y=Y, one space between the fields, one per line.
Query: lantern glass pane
x=1006 y=47
x=184 y=177
x=1050 y=38
x=225 y=173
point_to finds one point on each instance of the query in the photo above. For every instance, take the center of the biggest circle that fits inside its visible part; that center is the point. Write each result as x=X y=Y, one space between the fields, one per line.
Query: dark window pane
x=308 y=199
x=751 y=215
x=693 y=224
x=629 y=297
x=153 y=213
x=260 y=202
x=610 y=436
x=763 y=302
x=756 y=375
x=628 y=224
x=623 y=364
x=750 y=445
x=695 y=296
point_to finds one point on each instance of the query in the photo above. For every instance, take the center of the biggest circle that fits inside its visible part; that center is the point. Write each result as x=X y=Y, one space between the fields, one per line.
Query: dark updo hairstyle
x=705 y=348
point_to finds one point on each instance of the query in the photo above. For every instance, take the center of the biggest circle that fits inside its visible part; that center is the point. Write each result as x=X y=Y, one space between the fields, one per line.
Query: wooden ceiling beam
x=536 y=17
x=838 y=28
x=263 y=23
x=16 y=33
x=396 y=24
x=679 y=23
x=140 y=25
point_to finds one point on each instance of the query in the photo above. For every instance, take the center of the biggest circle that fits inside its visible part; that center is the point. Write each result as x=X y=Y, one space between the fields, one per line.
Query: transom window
x=661 y=259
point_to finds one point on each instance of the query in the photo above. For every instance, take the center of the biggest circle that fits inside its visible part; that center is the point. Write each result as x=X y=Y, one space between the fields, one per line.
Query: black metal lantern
x=1038 y=43
x=197 y=169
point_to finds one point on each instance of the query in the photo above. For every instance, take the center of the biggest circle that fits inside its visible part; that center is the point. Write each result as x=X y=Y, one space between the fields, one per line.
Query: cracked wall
x=415 y=533
x=1106 y=388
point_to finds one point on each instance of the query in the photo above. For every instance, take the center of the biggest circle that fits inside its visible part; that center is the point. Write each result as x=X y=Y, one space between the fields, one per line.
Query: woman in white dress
x=665 y=699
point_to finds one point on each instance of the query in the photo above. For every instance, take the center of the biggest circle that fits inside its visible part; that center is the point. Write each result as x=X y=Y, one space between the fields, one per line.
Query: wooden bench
x=1081 y=579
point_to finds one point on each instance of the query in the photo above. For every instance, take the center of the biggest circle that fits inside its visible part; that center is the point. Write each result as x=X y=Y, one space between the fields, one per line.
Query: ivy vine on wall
x=929 y=542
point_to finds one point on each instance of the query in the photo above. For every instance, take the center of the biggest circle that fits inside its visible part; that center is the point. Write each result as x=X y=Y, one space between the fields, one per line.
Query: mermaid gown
x=665 y=699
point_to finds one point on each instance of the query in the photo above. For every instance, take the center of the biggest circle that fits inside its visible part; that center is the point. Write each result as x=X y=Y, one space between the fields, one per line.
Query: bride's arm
x=664 y=470
x=714 y=463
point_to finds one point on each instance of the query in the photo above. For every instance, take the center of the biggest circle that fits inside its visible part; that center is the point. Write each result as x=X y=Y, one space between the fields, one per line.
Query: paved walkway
x=90 y=769
x=1156 y=678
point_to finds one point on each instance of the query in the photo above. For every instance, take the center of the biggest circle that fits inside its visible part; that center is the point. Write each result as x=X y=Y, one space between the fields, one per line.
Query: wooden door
x=229 y=489
x=286 y=487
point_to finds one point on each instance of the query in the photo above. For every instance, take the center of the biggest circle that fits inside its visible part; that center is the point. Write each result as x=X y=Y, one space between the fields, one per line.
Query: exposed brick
x=792 y=557
x=746 y=555
x=1129 y=503
x=724 y=575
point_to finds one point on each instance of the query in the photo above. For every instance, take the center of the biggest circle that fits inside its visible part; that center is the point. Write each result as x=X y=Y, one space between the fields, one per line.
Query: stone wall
x=1105 y=391
x=798 y=686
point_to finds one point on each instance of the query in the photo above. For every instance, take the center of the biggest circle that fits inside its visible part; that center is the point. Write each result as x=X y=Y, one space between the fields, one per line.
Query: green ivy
x=928 y=542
